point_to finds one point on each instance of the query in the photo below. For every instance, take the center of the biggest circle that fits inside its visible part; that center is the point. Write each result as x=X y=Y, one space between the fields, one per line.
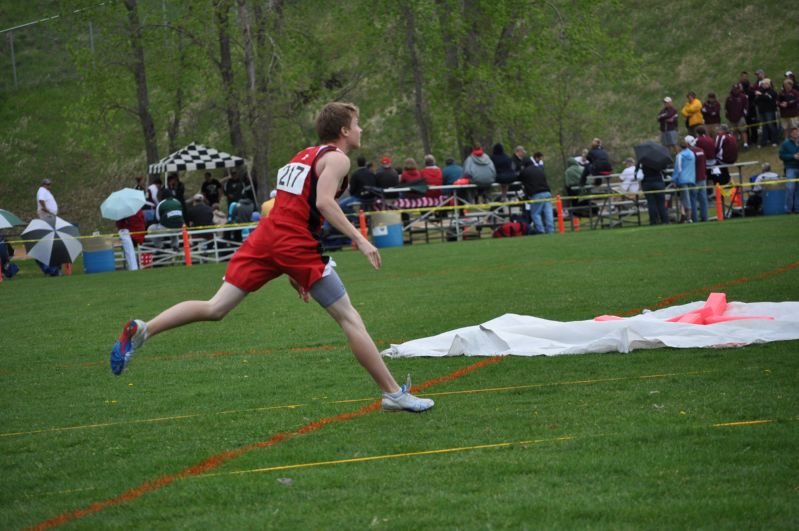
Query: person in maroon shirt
x=736 y=109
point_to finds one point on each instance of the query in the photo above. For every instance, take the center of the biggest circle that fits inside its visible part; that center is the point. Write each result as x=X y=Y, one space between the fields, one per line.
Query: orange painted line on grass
x=216 y=460
x=716 y=287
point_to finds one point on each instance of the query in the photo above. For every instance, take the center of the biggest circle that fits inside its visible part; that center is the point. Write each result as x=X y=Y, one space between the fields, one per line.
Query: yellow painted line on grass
x=141 y=421
x=743 y=423
x=388 y=456
x=354 y=400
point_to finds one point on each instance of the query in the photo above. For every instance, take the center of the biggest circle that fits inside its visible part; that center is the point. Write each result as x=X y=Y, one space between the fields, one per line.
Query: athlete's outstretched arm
x=332 y=168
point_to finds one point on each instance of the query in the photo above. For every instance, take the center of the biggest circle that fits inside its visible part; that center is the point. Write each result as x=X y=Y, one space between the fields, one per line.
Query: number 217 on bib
x=291 y=177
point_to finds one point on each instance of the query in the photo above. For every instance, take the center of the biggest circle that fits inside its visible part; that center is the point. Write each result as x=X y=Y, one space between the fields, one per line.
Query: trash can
x=773 y=201
x=98 y=255
x=387 y=229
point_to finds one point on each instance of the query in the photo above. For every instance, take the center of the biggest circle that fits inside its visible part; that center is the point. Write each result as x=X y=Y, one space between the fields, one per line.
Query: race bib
x=291 y=177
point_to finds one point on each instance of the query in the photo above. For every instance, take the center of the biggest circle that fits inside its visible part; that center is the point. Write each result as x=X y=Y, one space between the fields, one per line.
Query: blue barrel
x=100 y=261
x=774 y=202
x=387 y=230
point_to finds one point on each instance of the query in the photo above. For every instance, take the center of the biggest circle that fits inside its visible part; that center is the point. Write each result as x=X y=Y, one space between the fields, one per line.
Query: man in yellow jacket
x=692 y=110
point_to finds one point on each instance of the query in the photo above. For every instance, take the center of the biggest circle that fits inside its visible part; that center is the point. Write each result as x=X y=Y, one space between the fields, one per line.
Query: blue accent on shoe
x=118 y=358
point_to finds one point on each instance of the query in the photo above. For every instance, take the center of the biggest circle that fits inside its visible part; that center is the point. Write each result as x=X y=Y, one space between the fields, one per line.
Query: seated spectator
x=480 y=170
x=711 y=113
x=199 y=213
x=361 y=181
x=503 y=165
x=754 y=203
x=451 y=172
x=410 y=173
x=169 y=212
x=629 y=177
x=598 y=163
x=573 y=176
x=538 y=159
x=168 y=215
x=386 y=176
x=220 y=218
x=432 y=175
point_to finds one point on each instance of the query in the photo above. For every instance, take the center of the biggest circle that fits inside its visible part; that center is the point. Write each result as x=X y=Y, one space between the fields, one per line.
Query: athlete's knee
x=216 y=312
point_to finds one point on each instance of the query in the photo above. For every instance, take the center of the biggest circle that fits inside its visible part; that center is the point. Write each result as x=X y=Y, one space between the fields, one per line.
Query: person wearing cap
x=46 y=205
x=698 y=192
x=480 y=169
x=692 y=111
x=668 y=124
x=788 y=100
x=387 y=176
x=736 y=108
x=791 y=76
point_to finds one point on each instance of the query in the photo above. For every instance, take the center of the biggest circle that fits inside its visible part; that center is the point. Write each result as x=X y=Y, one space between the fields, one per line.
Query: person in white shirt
x=629 y=178
x=46 y=206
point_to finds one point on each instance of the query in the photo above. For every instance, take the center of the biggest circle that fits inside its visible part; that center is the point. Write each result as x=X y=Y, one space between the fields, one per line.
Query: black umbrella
x=52 y=242
x=653 y=155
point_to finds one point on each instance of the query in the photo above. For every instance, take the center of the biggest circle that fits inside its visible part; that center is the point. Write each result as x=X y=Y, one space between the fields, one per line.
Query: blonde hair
x=332 y=118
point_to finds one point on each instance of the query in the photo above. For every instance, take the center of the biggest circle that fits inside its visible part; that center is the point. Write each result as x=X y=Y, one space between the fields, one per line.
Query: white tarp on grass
x=523 y=335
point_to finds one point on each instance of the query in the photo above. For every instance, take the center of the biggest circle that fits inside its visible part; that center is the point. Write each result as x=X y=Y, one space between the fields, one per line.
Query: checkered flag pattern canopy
x=195 y=157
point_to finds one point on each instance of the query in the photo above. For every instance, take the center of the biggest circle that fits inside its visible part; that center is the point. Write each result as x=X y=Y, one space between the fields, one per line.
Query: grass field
x=266 y=421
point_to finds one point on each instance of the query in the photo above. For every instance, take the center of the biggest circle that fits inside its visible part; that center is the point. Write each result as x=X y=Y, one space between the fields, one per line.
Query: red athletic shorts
x=273 y=249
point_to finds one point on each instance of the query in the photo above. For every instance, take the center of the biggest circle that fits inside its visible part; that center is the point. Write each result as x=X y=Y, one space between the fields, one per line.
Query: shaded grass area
x=622 y=440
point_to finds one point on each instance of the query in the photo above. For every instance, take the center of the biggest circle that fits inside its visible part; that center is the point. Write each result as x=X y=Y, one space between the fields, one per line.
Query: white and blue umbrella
x=122 y=204
x=52 y=242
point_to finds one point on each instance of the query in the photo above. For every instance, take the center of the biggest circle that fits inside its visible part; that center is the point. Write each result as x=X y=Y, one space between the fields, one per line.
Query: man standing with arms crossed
x=288 y=242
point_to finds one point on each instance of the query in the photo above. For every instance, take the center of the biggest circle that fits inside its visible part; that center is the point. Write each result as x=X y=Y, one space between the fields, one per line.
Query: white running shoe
x=405 y=401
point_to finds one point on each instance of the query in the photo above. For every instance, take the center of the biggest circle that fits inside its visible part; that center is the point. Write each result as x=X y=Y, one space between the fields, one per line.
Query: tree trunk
x=221 y=9
x=452 y=71
x=174 y=124
x=419 y=104
x=140 y=75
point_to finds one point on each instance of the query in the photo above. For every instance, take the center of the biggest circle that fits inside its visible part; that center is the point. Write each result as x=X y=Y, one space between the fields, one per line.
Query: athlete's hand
x=370 y=251
x=303 y=293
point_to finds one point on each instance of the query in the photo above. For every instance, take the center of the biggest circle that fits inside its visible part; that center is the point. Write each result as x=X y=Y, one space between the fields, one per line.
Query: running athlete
x=288 y=242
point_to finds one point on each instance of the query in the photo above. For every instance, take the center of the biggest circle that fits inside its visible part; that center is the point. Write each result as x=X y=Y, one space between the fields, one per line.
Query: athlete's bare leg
x=361 y=343
x=227 y=297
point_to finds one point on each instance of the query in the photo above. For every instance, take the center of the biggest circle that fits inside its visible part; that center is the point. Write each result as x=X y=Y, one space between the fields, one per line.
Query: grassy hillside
x=691 y=45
